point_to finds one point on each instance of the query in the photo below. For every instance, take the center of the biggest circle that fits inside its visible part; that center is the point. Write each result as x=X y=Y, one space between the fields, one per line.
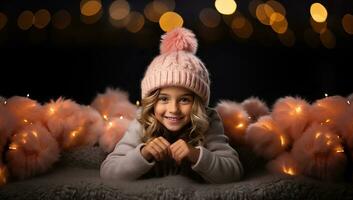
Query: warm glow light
x=90 y=7
x=241 y=27
x=298 y=109
x=105 y=117
x=329 y=142
x=288 y=170
x=25 y=120
x=225 y=7
x=317 y=135
x=318 y=27
x=318 y=12
x=24 y=141
x=348 y=102
x=119 y=9
x=3 y=20
x=347 y=23
x=121 y=117
x=279 y=27
x=13 y=146
x=110 y=124
x=35 y=134
x=326 y=95
x=283 y=141
x=25 y=20
x=328 y=39
x=239 y=126
x=61 y=19
x=170 y=20
x=73 y=133
x=137 y=103
x=327 y=120
x=209 y=17
x=3 y=175
x=339 y=150
x=41 y=18
x=263 y=13
x=136 y=22
x=51 y=110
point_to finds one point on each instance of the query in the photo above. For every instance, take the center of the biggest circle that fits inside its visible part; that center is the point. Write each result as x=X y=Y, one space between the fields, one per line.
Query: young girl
x=175 y=133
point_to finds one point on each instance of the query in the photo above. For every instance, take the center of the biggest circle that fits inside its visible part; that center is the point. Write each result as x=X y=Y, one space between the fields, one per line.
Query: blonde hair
x=150 y=124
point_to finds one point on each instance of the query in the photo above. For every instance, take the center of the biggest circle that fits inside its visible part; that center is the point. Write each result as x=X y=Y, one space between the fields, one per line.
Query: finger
x=166 y=143
x=153 y=152
x=157 y=152
x=163 y=146
x=180 y=157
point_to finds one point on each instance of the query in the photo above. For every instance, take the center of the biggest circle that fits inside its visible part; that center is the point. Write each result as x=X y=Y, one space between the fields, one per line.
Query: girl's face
x=173 y=107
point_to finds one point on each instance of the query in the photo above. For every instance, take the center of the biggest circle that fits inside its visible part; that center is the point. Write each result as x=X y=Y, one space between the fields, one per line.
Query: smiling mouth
x=174 y=118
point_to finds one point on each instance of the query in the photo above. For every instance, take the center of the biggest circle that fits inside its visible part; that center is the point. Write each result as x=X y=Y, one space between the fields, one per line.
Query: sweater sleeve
x=218 y=162
x=126 y=161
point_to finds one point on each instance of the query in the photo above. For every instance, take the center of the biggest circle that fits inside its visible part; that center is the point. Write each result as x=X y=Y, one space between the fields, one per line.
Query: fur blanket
x=76 y=176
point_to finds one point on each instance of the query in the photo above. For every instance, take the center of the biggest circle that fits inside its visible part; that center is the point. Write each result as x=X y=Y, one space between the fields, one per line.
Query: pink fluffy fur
x=114 y=131
x=293 y=115
x=284 y=164
x=178 y=39
x=7 y=123
x=81 y=128
x=255 y=108
x=24 y=110
x=266 y=138
x=319 y=153
x=235 y=120
x=56 y=113
x=328 y=111
x=114 y=103
x=32 y=151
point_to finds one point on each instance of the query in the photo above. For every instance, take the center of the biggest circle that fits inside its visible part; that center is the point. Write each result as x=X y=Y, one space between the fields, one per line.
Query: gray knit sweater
x=218 y=162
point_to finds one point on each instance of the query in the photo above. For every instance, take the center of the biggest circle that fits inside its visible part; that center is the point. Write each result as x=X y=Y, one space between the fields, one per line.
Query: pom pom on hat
x=179 y=39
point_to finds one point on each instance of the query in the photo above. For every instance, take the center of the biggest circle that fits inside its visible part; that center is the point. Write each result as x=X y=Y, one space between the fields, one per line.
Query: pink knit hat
x=177 y=65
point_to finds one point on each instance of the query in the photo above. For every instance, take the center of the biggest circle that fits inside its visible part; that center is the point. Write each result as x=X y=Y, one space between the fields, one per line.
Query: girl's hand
x=157 y=149
x=180 y=149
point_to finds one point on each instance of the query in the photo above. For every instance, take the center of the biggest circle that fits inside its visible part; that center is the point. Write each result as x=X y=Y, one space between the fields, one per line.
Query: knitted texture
x=177 y=65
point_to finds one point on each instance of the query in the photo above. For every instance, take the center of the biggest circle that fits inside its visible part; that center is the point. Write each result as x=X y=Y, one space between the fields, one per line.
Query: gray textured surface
x=76 y=176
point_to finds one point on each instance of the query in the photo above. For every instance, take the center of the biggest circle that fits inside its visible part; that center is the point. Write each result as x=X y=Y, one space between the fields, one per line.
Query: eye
x=185 y=100
x=162 y=99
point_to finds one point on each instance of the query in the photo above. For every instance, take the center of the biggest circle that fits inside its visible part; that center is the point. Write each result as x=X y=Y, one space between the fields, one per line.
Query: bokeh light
x=61 y=19
x=210 y=17
x=318 y=12
x=225 y=7
x=25 y=20
x=90 y=7
x=119 y=9
x=347 y=23
x=41 y=18
x=3 y=20
x=155 y=9
x=328 y=39
x=170 y=20
x=242 y=27
x=136 y=22
x=318 y=27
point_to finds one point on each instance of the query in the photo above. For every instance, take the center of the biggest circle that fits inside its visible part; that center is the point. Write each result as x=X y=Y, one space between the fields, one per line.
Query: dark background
x=83 y=60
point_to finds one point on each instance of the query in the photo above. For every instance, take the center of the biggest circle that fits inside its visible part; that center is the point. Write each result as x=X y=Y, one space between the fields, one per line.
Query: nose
x=173 y=107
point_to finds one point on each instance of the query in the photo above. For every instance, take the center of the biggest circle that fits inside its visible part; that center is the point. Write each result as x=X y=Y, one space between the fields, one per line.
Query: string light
x=326 y=95
x=27 y=95
x=288 y=170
